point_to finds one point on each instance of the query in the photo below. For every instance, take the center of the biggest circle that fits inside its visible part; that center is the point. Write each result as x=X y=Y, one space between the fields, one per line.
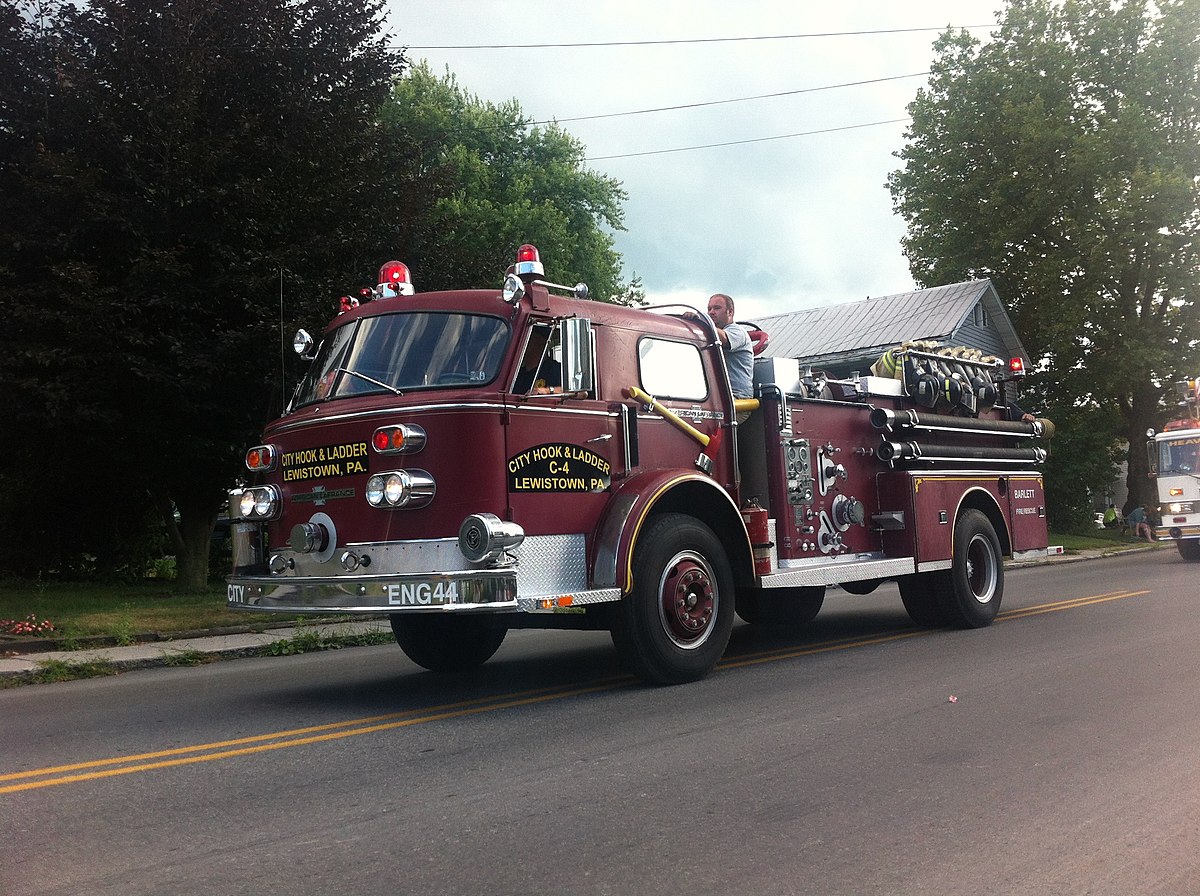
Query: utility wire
x=696 y=40
x=656 y=152
x=740 y=99
x=699 y=105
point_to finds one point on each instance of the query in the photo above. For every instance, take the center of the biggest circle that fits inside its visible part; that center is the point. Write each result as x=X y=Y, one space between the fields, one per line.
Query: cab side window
x=671 y=369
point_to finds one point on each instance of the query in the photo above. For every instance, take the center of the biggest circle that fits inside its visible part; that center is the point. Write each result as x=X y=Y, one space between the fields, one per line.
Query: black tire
x=971 y=597
x=674 y=626
x=920 y=595
x=780 y=606
x=1189 y=549
x=446 y=643
x=862 y=586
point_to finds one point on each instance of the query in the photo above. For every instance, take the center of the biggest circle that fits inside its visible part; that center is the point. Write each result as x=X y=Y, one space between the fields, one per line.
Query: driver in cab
x=540 y=374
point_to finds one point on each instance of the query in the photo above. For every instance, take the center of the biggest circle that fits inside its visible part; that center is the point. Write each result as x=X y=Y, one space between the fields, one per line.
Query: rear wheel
x=920 y=595
x=1189 y=549
x=674 y=625
x=447 y=643
x=781 y=606
x=971 y=598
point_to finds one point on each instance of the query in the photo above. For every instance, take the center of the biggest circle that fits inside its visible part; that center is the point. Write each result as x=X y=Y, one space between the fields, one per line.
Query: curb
x=185 y=651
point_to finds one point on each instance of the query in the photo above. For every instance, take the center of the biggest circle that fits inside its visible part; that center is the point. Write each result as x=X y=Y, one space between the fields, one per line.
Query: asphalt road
x=1054 y=753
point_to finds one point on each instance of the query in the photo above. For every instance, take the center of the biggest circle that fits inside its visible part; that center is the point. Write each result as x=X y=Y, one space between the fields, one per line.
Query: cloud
x=779 y=224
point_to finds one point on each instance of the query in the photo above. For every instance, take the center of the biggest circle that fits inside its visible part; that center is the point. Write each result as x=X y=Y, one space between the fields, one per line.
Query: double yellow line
x=296 y=737
x=262 y=743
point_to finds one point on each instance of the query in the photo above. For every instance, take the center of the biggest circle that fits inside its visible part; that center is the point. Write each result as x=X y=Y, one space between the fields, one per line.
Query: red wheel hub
x=687 y=601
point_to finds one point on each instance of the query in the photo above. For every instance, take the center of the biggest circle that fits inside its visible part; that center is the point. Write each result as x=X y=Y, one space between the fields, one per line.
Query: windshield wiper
x=370 y=379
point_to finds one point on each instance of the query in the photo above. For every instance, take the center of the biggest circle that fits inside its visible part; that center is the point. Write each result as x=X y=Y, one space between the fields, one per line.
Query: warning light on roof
x=394 y=280
x=529 y=262
x=1016 y=367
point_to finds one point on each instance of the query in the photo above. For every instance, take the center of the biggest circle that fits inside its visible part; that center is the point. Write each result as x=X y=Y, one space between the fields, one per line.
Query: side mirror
x=578 y=355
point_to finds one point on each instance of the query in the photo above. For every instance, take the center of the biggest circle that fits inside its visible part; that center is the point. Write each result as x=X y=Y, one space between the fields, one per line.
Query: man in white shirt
x=735 y=345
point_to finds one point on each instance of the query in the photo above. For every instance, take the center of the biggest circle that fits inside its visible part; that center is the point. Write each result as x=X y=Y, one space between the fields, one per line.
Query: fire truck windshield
x=1180 y=455
x=405 y=351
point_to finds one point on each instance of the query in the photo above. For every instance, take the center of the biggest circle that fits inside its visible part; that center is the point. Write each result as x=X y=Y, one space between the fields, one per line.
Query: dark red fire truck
x=468 y=462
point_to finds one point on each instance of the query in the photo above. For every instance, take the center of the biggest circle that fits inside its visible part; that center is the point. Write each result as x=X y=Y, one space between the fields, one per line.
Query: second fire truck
x=1175 y=466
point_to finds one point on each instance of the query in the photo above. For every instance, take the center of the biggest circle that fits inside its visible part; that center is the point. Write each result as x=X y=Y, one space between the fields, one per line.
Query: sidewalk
x=192 y=651
x=188 y=651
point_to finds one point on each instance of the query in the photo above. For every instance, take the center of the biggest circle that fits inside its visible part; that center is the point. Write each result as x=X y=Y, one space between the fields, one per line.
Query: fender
x=684 y=491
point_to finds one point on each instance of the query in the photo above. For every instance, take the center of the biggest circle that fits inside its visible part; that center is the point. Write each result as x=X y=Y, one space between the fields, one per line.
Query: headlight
x=395 y=489
x=400 y=488
x=260 y=502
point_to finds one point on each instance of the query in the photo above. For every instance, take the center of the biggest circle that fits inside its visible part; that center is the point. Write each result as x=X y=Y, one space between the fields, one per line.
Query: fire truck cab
x=468 y=462
x=1174 y=456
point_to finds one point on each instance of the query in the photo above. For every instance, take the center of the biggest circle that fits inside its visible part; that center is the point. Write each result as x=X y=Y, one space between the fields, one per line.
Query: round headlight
x=375 y=491
x=263 y=503
x=1176 y=508
x=246 y=503
x=396 y=489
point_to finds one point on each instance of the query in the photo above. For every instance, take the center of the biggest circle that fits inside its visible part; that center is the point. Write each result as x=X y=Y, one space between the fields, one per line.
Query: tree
x=1062 y=160
x=166 y=169
x=497 y=181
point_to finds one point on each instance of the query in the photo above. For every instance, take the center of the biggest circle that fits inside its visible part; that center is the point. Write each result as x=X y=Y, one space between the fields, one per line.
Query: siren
x=395 y=279
x=529 y=263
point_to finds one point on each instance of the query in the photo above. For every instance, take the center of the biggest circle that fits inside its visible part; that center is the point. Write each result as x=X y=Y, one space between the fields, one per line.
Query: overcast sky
x=779 y=224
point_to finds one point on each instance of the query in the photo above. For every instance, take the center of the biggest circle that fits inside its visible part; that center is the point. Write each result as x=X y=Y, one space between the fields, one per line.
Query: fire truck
x=1174 y=456
x=470 y=462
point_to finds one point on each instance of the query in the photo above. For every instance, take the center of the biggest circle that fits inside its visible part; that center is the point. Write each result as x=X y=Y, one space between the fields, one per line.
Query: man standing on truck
x=735 y=345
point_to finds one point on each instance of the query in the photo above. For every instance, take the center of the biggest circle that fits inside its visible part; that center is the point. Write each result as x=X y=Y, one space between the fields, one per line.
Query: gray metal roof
x=872 y=325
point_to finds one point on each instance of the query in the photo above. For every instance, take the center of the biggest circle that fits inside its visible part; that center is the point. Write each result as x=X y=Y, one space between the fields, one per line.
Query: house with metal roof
x=840 y=339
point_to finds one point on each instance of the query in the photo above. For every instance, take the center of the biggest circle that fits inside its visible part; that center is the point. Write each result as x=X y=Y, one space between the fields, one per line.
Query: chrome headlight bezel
x=259 y=502
x=395 y=489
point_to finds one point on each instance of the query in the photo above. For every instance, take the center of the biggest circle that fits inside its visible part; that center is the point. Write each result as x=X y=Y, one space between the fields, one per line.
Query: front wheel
x=447 y=643
x=971 y=596
x=674 y=625
x=1189 y=549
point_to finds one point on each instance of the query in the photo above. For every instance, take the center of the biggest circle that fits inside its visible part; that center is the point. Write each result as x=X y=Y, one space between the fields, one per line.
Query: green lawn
x=82 y=609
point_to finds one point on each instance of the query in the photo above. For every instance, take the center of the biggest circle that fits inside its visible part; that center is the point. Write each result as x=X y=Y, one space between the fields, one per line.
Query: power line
x=656 y=152
x=740 y=99
x=696 y=40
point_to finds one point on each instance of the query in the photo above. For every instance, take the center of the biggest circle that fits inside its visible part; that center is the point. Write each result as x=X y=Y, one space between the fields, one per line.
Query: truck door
x=562 y=447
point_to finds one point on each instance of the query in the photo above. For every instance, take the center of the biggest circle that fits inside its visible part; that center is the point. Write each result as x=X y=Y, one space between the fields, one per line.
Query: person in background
x=1138 y=524
x=1110 y=517
x=1014 y=412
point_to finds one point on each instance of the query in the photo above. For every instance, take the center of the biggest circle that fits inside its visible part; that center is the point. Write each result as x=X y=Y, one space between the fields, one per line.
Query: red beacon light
x=529 y=262
x=1016 y=367
x=394 y=280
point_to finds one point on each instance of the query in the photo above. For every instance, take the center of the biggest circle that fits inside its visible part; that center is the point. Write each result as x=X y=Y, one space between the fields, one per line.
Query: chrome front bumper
x=547 y=574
